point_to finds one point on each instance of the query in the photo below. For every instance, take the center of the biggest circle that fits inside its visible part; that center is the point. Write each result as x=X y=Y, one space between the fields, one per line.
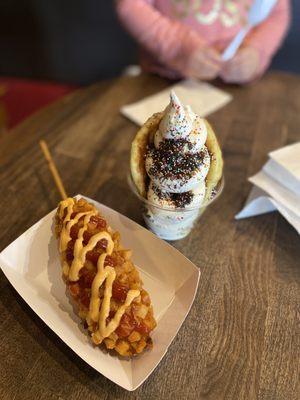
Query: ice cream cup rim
x=220 y=188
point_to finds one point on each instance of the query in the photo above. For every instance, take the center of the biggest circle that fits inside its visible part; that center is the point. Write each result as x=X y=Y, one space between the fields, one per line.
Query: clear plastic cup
x=172 y=224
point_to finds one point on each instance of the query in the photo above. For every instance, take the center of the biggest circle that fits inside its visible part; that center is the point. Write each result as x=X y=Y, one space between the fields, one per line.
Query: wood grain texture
x=241 y=339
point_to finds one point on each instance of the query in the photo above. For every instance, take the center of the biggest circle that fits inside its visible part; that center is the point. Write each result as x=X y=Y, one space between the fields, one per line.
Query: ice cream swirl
x=178 y=161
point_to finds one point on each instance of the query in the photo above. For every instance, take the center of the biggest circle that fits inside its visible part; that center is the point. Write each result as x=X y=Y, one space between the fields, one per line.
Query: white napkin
x=277 y=186
x=202 y=97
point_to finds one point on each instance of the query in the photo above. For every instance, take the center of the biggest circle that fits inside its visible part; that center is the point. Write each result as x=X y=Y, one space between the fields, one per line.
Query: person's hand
x=204 y=64
x=242 y=68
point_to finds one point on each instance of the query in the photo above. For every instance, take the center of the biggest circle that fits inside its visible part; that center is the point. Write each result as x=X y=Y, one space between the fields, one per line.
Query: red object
x=119 y=291
x=126 y=326
x=24 y=97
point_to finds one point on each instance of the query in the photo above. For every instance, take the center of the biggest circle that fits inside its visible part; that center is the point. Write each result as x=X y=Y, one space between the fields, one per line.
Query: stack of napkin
x=202 y=97
x=277 y=187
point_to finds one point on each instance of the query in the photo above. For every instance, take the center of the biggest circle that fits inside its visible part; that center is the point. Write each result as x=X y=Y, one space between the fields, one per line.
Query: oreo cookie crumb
x=170 y=161
x=180 y=200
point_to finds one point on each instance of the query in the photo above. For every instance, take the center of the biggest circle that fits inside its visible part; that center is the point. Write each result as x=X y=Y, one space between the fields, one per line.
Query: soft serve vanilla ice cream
x=177 y=164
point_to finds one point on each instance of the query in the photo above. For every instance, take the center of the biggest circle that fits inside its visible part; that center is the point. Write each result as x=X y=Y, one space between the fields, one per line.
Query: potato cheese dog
x=102 y=279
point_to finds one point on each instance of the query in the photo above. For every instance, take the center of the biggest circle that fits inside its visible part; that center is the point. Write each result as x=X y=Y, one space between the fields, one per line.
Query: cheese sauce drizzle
x=98 y=311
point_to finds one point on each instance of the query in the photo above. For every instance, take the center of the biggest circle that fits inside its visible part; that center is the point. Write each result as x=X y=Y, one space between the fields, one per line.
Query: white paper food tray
x=31 y=264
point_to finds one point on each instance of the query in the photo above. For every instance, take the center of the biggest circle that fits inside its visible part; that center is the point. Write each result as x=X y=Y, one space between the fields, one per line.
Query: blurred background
x=79 y=42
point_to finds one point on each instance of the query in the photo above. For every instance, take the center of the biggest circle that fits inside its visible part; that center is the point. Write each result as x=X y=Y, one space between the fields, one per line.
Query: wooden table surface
x=241 y=339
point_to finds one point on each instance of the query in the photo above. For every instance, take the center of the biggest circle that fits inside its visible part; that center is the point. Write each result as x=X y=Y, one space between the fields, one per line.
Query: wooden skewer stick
x=53 y=169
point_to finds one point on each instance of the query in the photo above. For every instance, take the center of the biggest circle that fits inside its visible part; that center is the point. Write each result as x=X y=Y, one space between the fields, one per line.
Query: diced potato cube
x=96 y=339
x=113 y=336
x=141 y=345
x=122 y=347
x=110 y=344
x=135 y=285
x=141 y=311
x=134 y=336
x=126 y=254
x=134 y=344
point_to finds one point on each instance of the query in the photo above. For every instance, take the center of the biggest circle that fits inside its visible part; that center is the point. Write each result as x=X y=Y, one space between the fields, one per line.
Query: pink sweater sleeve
x=268 y=36
x=169 y=41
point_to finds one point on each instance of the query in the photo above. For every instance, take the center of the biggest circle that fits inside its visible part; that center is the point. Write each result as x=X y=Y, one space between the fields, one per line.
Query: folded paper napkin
x=277 y=187
x=203 y=98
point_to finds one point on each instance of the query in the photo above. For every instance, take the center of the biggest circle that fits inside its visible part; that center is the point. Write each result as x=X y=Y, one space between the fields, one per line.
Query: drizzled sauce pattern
x=98 y=308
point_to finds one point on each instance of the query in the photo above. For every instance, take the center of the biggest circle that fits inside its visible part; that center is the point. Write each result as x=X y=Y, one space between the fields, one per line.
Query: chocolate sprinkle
x=170 y=161
x=180 y=200
x=213 y=192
